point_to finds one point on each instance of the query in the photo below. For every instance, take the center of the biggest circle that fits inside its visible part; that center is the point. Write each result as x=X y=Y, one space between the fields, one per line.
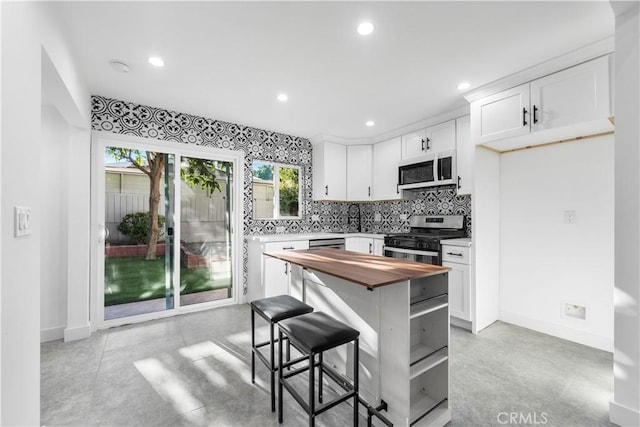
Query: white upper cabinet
x=386 y=156
x=433 y=139
x=464 y=155
x=502 y=115
x=414 y=144
x=359 y=158
x=441 y=137
x=329 y=171
x=570 y=103
x=571 y=96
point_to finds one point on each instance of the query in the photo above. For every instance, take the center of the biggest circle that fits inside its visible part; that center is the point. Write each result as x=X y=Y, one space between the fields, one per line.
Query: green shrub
x=136 y=226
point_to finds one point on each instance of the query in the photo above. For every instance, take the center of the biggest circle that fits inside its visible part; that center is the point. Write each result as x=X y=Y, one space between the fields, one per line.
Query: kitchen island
x=401 y=310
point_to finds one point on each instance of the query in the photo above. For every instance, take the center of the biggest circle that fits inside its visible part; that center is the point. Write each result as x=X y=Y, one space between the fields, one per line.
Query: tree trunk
x=156 y=166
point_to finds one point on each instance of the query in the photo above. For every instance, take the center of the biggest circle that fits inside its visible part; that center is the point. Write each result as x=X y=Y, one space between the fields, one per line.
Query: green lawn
x=134 y=279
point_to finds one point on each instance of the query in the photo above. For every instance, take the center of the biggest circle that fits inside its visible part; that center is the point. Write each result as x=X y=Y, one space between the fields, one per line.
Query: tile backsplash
x=121 y=117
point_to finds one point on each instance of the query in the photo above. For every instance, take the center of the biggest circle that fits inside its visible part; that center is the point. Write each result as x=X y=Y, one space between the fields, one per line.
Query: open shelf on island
x=429 y=388
x=426 y=411
x=425 y=306
x=428 y=360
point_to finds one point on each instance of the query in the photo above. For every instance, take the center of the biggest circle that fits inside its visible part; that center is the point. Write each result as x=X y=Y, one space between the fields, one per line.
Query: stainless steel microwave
x=428 y=171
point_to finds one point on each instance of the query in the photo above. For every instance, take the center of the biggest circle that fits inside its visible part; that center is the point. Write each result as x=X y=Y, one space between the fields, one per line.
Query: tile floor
x=194 y=370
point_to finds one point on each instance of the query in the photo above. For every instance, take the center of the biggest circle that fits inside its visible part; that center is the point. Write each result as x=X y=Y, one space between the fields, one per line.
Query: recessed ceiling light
x=464 y=85
x=282 y=97
x=156 y=61
x=119 y=66
x=365 y=28
x=370 y=123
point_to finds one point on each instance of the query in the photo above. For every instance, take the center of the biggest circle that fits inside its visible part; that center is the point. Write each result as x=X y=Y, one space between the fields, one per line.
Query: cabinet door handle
x=287 y=248
x=369 y=191
x=524 y=116
x=422 y=144
x=454 y=253
x=326 y=190
x=535 y=115
x=397 y=188
x=428 y=141
x=459 y=179
x=370 y=248
x=286 y=268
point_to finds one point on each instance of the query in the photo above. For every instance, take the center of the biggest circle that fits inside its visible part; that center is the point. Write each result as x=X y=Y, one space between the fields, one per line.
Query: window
x=276 y=191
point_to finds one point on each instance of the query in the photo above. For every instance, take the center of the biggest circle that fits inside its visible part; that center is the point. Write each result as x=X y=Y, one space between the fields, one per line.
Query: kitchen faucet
x=351 y=211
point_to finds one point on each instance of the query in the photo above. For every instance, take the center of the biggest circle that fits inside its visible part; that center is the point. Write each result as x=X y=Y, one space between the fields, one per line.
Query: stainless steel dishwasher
x=332 y=242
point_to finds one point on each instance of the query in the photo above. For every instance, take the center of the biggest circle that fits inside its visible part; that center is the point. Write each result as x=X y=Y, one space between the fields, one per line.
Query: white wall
x=54 y=155
x=546 y=263
x=20 y=256
x=25 y=28
x=625 y=407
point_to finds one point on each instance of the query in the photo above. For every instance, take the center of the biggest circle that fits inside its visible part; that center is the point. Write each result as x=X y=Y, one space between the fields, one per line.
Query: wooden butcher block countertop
x=371 y=271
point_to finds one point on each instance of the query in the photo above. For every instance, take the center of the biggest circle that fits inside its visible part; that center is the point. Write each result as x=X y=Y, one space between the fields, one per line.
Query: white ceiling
x=229 y=60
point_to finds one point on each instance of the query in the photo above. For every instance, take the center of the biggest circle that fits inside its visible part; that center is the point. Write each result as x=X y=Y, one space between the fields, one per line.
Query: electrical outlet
x=377 y=217
x=315 y=217
x=569 y=217
x=403 y=217
x=575 y=311
x=280 y=229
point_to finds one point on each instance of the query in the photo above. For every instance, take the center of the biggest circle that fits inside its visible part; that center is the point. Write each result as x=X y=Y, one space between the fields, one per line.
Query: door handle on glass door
x=103 y=234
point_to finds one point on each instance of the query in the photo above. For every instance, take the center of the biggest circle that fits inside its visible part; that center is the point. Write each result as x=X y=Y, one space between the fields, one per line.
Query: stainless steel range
x=422 y=243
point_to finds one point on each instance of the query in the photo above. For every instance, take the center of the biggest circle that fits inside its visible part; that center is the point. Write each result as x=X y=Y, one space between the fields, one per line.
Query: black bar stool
x=312 y=334
x=273 y=310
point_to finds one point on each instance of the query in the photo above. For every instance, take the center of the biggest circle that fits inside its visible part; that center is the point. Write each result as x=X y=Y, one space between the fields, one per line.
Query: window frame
x=276 y=190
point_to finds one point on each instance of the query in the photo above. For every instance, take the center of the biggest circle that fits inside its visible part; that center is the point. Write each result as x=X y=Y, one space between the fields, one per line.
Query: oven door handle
x=410 y=251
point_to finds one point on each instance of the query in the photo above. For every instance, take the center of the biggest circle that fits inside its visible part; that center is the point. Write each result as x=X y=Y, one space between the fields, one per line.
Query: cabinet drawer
x=285 y=246
x=457 y=254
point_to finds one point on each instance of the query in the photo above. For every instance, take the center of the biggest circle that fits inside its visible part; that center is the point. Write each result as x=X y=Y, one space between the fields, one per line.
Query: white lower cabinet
x=458 y=259
x=378 y=247
x=365 y=245
x=268 y=276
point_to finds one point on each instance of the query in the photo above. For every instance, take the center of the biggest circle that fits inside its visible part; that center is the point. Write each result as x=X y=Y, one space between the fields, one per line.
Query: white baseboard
x=461 y=323
x=52 y=334
x=77 y=333
x=570 y=334
x=623 y=416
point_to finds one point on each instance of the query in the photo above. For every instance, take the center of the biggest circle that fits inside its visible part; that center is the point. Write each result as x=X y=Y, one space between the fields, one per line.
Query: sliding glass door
x=205 y=230
x=165 y=224
x=138 y=221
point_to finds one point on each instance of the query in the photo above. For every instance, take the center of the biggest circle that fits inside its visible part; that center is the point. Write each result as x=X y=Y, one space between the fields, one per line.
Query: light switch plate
x=22 y=221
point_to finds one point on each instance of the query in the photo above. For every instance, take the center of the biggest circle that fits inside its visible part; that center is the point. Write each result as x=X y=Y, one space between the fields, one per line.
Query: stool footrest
x=339 y=378
x=290 y=363
x=323 y=406
x=264 y=343
x=293 y=372
x=326 y=406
